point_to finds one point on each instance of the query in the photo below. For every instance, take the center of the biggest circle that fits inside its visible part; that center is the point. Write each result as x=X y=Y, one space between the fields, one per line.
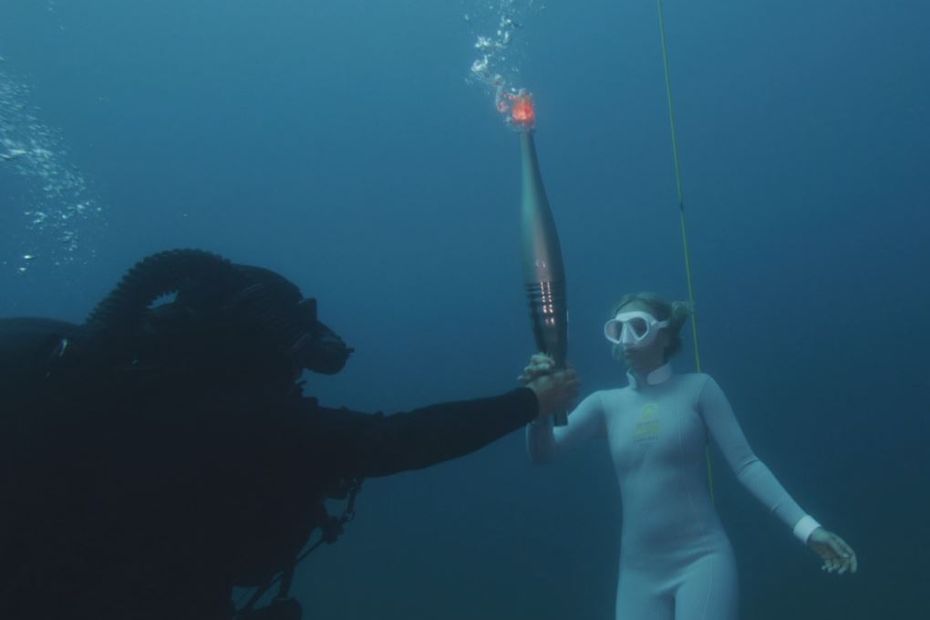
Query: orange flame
x=523 y=112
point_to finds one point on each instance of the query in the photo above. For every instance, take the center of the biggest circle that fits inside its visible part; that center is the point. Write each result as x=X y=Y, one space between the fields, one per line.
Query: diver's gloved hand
x=837 y=556
x=556 y=390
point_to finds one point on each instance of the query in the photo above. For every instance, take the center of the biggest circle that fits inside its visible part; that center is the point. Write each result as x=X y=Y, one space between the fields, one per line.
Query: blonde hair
x=675 y=312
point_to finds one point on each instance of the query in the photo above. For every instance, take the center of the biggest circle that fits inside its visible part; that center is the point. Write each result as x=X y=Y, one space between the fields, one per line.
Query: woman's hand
x=837 y=556
x=540 y=364
x=556 y=389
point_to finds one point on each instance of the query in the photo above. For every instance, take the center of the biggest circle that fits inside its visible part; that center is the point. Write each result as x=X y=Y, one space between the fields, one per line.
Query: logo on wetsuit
x=648 y=425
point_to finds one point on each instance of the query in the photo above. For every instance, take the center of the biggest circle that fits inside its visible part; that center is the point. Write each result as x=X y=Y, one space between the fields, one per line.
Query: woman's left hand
x=837 y=556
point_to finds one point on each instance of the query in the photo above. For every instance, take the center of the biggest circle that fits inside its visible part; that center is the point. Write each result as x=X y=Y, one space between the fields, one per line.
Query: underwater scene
x=237 y=238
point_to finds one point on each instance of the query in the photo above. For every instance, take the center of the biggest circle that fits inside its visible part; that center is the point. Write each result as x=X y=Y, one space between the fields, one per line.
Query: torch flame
x=522 y=111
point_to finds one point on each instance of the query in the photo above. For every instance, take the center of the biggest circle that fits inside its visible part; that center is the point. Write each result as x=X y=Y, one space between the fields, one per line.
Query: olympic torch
x=543 y=271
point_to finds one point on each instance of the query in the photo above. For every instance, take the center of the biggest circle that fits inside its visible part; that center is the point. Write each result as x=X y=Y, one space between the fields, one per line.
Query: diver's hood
x=222 y=315
x=291 y=321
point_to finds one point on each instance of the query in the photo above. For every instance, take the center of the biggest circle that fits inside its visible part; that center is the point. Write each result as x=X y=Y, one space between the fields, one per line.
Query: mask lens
x=639 y=326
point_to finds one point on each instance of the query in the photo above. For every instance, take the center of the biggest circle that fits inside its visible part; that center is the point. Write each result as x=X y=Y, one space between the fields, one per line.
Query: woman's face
x=652 y=355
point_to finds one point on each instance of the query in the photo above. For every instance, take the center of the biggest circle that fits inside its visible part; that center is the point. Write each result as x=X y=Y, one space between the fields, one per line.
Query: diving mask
x=634 y=329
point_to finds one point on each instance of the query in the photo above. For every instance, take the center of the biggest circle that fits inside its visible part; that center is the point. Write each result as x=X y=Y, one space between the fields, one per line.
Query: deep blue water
x=339 y=143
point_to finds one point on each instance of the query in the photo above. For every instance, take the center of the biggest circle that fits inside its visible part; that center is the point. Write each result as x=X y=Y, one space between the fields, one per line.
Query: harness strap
x=330 y=530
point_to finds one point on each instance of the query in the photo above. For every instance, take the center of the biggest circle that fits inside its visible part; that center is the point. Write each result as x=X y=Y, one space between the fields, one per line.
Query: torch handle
x=549 y=318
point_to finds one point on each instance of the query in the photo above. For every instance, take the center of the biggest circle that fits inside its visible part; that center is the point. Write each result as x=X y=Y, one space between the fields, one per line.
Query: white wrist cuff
x=805 y=527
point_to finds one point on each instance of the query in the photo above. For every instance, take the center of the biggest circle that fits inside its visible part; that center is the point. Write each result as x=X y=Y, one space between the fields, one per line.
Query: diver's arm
x=379 y=445
x=544 y=441
x=752 y=473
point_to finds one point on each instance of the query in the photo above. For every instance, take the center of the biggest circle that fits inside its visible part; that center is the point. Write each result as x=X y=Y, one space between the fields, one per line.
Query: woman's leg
x=641 y=596
x=709 y=589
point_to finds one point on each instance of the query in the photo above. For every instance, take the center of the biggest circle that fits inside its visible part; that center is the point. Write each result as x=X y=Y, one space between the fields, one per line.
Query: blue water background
x=338 y=143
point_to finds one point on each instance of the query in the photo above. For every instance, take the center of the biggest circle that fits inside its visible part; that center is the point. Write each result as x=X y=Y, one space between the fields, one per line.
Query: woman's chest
x=654 y=428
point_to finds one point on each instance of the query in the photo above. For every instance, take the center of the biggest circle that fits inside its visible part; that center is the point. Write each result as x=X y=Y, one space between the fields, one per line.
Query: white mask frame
x=633 y=329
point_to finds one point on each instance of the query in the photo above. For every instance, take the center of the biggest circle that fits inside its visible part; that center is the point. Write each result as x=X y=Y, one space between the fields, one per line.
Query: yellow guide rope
x=681 y=212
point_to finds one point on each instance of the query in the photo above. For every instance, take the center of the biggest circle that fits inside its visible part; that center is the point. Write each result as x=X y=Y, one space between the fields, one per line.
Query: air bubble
x=54 y=200
x=498 y=66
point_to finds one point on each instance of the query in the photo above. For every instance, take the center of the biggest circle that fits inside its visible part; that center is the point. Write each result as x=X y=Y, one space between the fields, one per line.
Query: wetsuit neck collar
x=657 y=376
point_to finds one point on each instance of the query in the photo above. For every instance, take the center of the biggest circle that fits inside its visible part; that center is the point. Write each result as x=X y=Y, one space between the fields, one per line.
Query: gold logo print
x=648 y=426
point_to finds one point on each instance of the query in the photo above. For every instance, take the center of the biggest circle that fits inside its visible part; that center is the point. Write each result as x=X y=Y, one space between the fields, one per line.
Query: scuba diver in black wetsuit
x=161 y=454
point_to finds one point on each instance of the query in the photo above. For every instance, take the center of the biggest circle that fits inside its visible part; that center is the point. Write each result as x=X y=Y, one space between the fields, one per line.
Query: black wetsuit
x=141 y=500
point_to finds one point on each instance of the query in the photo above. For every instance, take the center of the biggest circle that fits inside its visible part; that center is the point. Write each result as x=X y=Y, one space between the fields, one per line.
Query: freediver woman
x=676 y=561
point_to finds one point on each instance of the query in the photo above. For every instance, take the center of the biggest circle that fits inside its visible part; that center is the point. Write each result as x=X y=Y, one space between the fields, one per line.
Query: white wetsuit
x=676 y=562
